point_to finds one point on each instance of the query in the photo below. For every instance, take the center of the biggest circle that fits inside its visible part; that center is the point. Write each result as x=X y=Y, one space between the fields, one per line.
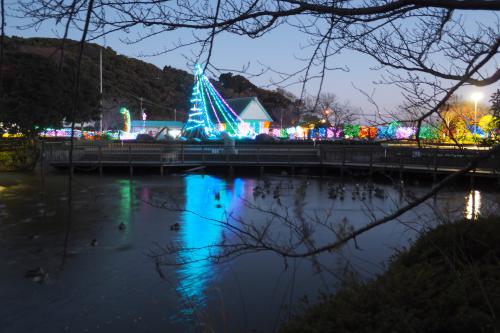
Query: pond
x=93 y=269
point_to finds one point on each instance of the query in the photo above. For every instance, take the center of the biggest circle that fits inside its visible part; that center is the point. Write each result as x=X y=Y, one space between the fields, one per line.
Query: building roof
x=239 y=105
x=157 y=123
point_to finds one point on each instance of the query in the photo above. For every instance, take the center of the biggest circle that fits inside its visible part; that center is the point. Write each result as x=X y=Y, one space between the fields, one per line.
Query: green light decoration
x=209 y=114
x=126 y=119
x=392 y=129
x=283 y=134
x=428 y=132
x=351 y=131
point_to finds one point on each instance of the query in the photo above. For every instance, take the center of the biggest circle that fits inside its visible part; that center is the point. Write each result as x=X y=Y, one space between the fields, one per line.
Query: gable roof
x=239 y=105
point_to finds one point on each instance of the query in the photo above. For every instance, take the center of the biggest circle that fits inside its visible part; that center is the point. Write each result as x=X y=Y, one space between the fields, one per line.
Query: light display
x=200 y=235
x=428 y=132
x=393 y=131
x=476 y=130
x=60 y=133
x=351 y=131
x=382 y=132
x=364 y=132
x=210 y=113
x=87 y=135
x=126 y=119
x=338 y=132
x=405 y=132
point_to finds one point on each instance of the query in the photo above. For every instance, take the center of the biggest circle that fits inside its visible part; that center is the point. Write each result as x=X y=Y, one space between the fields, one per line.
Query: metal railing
x=117 y=153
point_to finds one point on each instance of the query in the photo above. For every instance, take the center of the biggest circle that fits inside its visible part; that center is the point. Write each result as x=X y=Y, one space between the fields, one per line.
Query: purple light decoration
x=223 y=100
x=339 y=132
x=405 y=132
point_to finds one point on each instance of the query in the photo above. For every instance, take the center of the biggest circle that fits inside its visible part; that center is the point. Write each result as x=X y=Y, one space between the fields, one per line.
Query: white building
x=153 y=127
x=251 y=111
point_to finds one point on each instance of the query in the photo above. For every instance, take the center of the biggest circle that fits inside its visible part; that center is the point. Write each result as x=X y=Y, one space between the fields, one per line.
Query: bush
x=448 y=281
x=20 y=155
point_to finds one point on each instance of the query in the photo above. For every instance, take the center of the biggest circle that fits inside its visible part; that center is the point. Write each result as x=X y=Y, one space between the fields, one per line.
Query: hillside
x=126 y=80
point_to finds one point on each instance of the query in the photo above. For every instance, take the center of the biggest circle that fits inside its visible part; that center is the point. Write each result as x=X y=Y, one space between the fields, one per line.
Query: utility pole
x=175 y=114
x=100 y=89
x=281 y=119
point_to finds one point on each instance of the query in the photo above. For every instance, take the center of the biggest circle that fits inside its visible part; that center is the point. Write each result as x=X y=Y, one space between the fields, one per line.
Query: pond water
x=98 y=272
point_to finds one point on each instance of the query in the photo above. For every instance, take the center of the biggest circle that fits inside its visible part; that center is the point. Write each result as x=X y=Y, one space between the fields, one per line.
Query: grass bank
x=448 y=281
x=18 y=155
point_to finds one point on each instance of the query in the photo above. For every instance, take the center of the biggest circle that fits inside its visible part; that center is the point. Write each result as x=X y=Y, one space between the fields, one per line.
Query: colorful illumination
x=126 y=119
x=382 y=132
x=391 y=129
x=299 y=132
x=196 y=272
x=210 y=114
x=12 y=135
x=275 y=132
x=364 y=132
x=428 y=132
x=245 y=129
x=405 y=132
x=351 y=131
x=60 y=133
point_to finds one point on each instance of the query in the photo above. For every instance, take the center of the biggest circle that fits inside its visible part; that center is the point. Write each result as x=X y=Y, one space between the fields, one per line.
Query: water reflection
x=473 y=205
x=125 y=203
x=212 y=198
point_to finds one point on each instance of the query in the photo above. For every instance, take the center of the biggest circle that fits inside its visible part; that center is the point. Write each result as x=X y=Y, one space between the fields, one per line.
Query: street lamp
x=476 y=97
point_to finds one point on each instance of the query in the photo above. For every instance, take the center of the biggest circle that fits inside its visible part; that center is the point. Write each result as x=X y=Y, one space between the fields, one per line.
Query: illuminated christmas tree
x=210 y=114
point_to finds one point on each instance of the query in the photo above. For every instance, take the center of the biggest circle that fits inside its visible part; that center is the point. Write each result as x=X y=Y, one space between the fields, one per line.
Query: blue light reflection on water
x=212 y=198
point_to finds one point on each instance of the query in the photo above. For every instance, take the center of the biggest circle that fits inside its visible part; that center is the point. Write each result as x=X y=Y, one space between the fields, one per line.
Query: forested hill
x=126 y=80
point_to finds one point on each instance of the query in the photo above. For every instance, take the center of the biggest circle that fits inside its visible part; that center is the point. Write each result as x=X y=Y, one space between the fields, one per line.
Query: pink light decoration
x=330 y=133
x=275 y=132
x=405 y=132
x=245 y=129
x=339 y=132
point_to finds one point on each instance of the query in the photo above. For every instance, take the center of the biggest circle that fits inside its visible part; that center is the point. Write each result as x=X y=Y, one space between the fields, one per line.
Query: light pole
x=476 y=97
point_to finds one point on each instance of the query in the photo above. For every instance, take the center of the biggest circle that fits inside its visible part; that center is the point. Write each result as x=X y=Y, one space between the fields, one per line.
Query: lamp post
x=476 y=97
